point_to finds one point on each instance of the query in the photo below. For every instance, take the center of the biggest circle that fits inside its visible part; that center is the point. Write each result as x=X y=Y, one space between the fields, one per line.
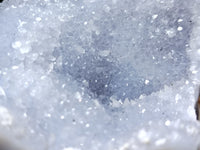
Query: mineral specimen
x=99 y=74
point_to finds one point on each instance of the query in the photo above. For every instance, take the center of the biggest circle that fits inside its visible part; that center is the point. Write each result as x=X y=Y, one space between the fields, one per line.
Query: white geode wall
x=99 y=74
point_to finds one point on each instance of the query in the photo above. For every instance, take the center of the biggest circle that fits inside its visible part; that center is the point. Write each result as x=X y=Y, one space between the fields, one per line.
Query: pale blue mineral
x=99 y=74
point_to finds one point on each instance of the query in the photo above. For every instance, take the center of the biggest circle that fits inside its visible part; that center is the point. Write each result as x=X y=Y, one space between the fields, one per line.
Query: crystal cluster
x=99 y=74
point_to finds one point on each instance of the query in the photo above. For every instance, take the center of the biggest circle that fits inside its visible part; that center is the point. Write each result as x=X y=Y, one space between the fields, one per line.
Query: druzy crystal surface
x=99 y=74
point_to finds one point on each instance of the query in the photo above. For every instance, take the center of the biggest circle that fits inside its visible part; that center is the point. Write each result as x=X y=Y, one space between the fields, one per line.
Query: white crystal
x=5 y=117
x=98 y=74
x=16 y=44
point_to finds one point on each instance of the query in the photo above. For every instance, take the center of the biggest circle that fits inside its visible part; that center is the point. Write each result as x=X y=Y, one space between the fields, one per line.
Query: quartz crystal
x=99 y=74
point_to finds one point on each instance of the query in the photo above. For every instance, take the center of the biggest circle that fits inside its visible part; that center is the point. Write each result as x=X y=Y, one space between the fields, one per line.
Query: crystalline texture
x=99 y=74
x=140 y=45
